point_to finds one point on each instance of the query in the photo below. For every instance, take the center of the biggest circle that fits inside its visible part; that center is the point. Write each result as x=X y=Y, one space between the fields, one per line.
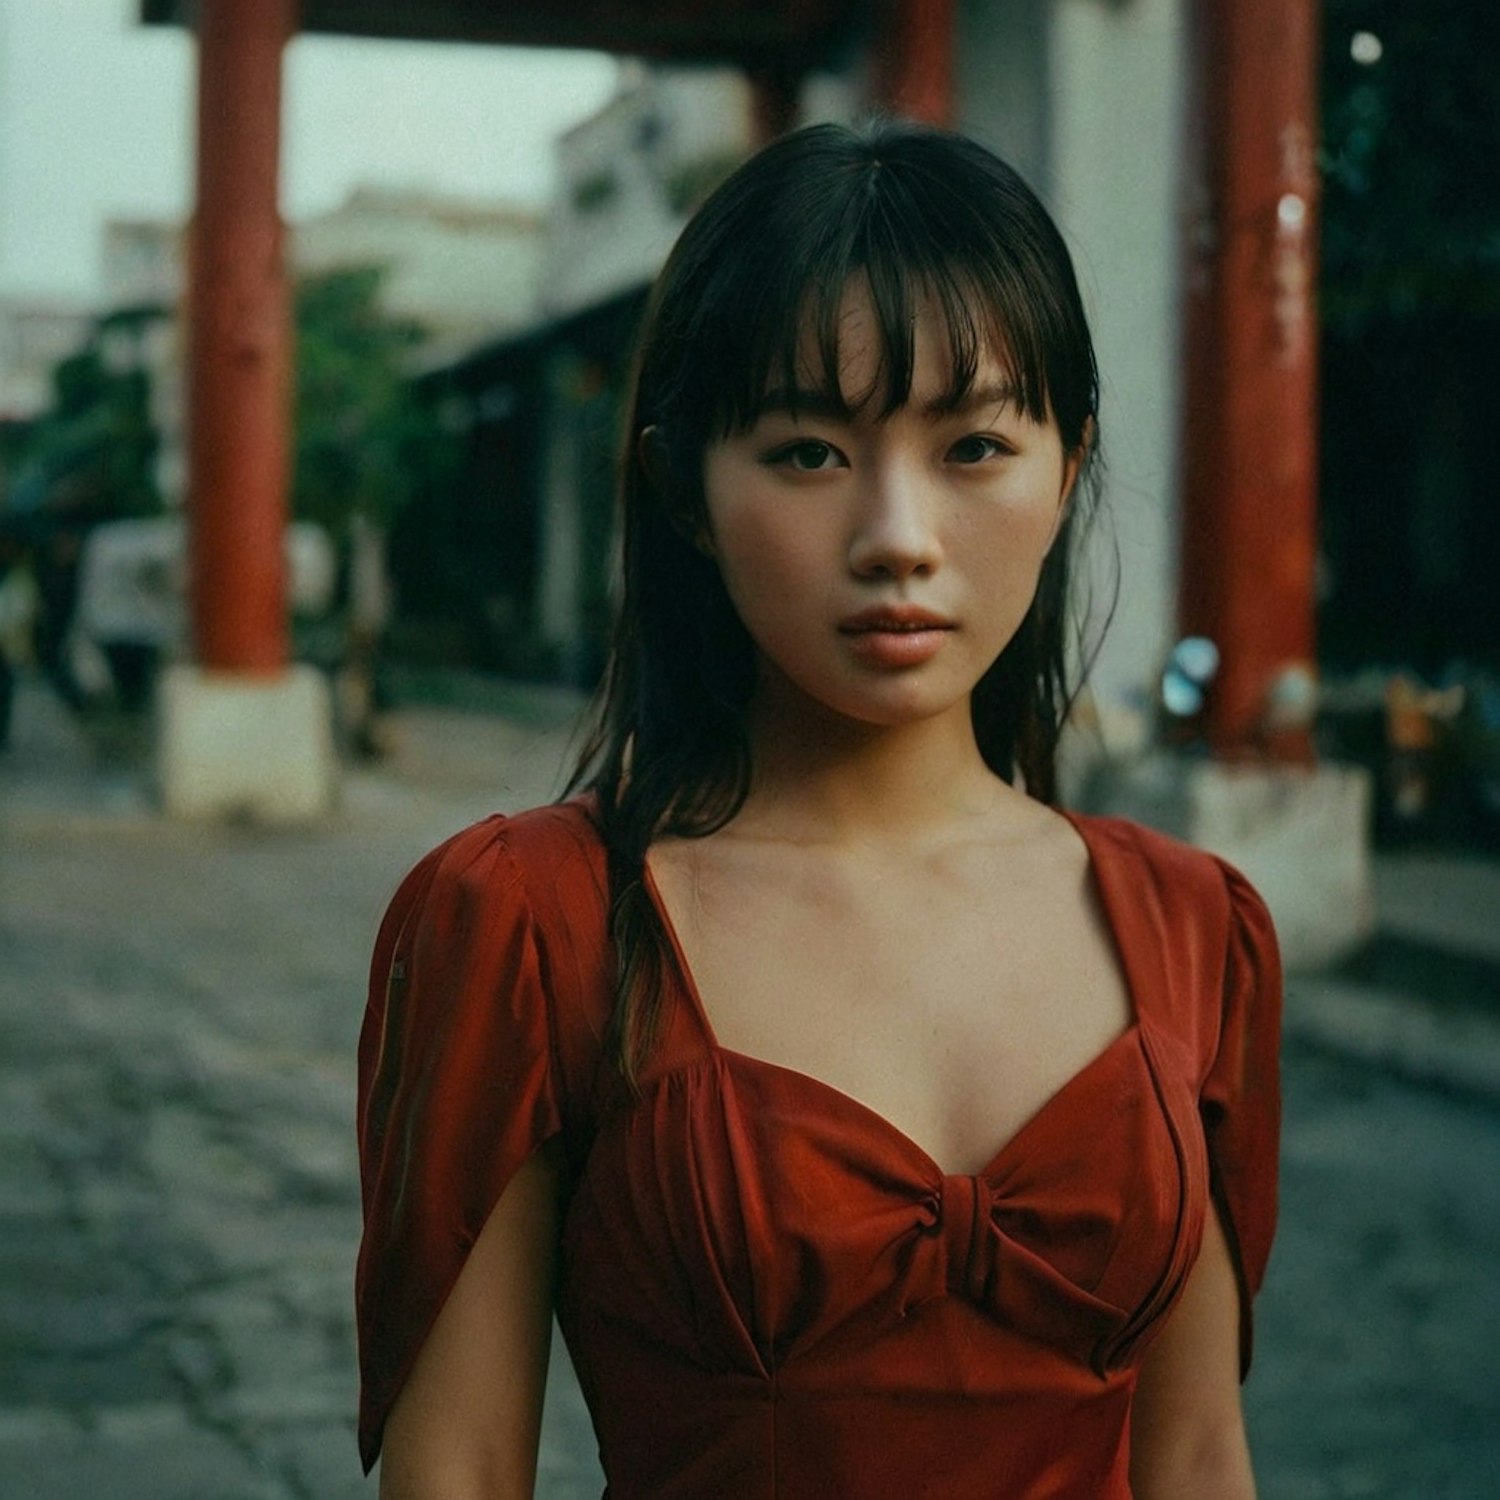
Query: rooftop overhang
x=752 y=33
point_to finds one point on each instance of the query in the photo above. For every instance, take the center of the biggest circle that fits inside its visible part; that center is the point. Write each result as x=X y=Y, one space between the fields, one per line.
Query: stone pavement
x=1423 y=1001
x=178 y=1204
x=1373 y=1373
x=178 y=1196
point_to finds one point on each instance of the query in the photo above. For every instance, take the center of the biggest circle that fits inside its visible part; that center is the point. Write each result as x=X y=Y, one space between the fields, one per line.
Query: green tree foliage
x=365 y=441
x=91 y=456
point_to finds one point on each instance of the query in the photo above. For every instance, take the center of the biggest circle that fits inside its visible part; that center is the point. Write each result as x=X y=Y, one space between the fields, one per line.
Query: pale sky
x=96 y=121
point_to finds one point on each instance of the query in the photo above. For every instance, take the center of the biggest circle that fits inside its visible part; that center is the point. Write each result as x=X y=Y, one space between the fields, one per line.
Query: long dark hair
x=926 y=219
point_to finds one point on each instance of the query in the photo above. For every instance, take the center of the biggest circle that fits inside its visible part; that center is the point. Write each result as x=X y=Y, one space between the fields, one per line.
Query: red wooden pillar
x=239 y=342
x=914 y=61
x=1249 y=509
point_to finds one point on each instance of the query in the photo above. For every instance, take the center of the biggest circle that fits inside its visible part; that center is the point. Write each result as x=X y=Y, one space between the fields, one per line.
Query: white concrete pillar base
x=231 y=745
x=1300 y=836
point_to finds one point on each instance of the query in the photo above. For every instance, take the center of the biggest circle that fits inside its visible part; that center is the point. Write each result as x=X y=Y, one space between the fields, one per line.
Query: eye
x=976 y=448
x=807 y=457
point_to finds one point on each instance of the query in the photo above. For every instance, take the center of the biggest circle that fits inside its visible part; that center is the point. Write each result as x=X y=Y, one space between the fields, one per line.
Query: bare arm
x=1187 y=1431
x=466 y=1423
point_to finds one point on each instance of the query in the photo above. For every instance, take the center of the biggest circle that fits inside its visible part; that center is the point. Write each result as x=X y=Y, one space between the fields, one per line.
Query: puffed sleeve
x=1241 y=1095
x=455 y=1092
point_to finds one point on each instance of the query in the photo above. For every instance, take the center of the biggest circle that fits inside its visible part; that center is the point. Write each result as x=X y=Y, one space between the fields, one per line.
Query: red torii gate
x=239 y=326
x=239 y=330
x=1249 y=471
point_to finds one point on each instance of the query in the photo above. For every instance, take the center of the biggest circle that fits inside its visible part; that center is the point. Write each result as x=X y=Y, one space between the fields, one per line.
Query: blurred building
x=141 y=264
x=515 y=561
x=629 y=176
x=35 y=337
x=1044 y=84
x=459 y=267
x=463 y=270
x=141 y=272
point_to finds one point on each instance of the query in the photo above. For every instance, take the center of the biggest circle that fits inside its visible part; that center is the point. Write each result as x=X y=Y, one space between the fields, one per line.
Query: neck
x=822 y=778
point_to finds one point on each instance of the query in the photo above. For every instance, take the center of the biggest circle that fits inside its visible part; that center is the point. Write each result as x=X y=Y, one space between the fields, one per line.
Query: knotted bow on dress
x=988 y=1264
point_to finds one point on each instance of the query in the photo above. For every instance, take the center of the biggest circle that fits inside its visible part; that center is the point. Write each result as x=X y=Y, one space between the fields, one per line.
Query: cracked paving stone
x=69 y=1295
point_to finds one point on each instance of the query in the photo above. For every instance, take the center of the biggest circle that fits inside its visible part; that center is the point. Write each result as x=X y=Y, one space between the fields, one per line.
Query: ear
x=1072 y=467
x=655 y=462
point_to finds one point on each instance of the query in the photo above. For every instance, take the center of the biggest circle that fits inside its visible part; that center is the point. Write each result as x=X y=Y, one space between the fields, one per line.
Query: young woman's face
x=881 y=565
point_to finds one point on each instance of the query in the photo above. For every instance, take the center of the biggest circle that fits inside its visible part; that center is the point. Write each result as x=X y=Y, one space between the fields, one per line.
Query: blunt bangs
x=827 y=210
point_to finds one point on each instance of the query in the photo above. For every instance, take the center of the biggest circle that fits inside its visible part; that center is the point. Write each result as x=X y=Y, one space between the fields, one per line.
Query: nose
x=896 y=533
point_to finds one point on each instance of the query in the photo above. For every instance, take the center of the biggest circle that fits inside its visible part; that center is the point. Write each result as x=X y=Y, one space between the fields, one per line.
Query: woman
x=874 y=1128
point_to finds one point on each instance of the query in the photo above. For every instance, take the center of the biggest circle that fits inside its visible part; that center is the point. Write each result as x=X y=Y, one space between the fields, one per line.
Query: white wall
x=465 y=270
x=1085 y=98
x=615 y=216
x=1117 y=107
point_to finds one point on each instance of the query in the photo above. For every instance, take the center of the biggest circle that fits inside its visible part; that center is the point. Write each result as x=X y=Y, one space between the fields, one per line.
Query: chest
x=953 y=999
x=763 y=1212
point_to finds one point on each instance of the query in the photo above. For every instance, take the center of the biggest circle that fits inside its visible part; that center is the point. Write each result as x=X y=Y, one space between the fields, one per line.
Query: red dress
x=767 y=1289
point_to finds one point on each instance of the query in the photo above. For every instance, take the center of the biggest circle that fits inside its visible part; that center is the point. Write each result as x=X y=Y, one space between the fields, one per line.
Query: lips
x=896 y=636
x=897 y=619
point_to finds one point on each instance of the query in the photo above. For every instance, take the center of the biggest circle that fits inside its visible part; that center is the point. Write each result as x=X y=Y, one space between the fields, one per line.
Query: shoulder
x=542 y=858
x=1171 y=858
x=1167 y=870
x=1189 y=914
x=1177 y=870
x=513 y=904
x=555 y=837
x=495 y=951
x=540 y=840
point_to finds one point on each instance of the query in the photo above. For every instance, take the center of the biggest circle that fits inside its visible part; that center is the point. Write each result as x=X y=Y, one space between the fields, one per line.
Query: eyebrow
x=1001 y=393
x=827 y=404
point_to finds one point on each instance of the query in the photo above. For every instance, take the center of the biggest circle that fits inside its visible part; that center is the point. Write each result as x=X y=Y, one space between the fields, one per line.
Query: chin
x=893 y=704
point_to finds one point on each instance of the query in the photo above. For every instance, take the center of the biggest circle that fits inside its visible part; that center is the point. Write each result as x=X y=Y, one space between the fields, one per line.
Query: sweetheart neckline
x=1132 y=1028
x=991 y=1171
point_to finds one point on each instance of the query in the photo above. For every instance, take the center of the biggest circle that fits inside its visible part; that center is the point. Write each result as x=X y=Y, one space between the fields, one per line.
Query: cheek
x=766 y=557
x=1007 y=542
